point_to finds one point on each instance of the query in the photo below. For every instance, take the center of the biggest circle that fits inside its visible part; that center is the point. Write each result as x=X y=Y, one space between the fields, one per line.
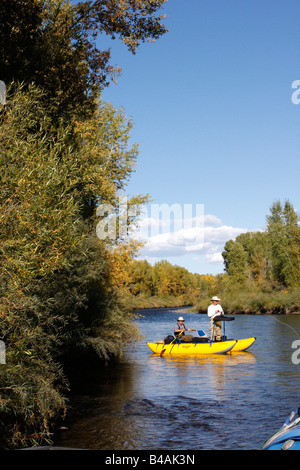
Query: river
x=230 y=402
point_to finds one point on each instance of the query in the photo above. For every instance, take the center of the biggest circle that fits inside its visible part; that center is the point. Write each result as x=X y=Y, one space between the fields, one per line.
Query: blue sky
x=212 y=111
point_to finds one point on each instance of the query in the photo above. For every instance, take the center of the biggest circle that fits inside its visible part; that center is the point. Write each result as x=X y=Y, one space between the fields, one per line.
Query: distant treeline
x=163 y=284
x=262 y=272
x=263 y=268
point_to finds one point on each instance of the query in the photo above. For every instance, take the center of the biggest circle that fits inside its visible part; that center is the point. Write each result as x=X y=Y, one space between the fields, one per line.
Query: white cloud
x=214 y=258
x=199 y=236
x=210 y=219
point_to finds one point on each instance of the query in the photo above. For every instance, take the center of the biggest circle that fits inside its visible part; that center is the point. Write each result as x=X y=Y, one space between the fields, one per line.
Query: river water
x=233 y=401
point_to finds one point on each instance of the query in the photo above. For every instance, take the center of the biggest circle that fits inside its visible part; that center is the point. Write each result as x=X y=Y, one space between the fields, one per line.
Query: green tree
x=235 y=261
x=62 y=153
x=284 y=235
x=247 y=260
x=53 y=43
x=257 y=249
x=57 y=294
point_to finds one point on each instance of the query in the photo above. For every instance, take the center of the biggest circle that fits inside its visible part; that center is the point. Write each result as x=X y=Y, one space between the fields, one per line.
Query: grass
x=274 y=302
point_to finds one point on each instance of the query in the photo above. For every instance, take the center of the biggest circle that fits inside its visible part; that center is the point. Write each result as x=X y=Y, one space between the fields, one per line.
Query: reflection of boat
x=242 y=357
x=288 y=437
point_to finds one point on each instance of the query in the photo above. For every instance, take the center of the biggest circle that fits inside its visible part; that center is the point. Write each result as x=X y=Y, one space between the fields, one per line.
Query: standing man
x=213 y=311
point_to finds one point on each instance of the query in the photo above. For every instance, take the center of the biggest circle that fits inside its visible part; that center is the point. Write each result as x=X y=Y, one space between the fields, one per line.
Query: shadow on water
x=232 y=401
x=124 y=420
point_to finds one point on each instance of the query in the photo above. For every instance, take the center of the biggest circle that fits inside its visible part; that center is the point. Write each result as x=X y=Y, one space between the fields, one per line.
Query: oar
x=176 y=337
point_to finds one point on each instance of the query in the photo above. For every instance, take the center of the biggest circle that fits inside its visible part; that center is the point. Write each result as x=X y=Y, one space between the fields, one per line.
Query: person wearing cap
x=213 y=311
x=181 y=326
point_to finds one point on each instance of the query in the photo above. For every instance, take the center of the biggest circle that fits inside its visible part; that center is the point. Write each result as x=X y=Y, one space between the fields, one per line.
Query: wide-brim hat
x=180 y=319
x=215 y=298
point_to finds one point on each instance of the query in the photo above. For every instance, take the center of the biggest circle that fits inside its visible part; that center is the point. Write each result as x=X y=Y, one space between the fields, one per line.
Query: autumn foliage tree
x=63 y=152
x=57 y=277
x=165 y=284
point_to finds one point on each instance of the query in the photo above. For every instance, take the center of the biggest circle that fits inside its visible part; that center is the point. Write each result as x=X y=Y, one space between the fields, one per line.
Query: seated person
x=180 y=329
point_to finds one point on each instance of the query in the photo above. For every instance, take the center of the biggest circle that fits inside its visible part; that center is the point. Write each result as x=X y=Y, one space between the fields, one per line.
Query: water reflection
x=100 y=417
x=231 y=401
x=202 y=376
x=204 y=360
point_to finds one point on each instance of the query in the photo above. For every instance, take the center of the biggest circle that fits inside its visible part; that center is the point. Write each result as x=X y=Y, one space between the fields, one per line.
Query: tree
x=53 y=44
x=63 y=153
x=284 y=234
x=257 y=249
x=58 y=279
x=267 y=259
x=235 y=261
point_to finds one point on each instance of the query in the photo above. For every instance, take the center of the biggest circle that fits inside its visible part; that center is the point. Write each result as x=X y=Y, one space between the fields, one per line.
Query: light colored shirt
x=214 y=310
x=179 y=326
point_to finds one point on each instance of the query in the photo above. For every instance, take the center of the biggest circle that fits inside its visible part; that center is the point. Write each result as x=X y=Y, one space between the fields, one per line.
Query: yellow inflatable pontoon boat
x=191 y=349
x=201 y=345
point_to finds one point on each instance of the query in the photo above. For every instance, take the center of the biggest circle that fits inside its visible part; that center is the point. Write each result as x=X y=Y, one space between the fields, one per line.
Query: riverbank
x=251 y=303
x=258 y=303
x=145 y=302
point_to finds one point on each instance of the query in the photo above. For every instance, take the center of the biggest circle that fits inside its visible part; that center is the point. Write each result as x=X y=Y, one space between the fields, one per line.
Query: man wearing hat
x=181 y=326
x=214 y=310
